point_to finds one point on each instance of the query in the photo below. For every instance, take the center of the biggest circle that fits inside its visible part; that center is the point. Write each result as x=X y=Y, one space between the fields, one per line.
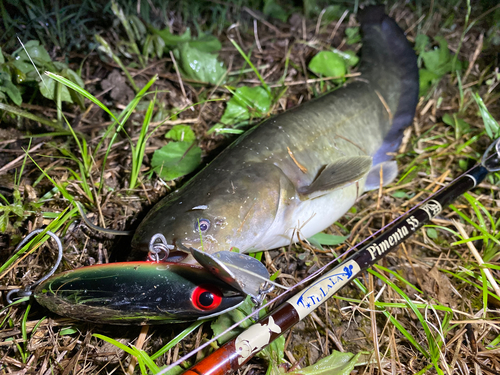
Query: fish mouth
x=181 y=246
x=183 y=249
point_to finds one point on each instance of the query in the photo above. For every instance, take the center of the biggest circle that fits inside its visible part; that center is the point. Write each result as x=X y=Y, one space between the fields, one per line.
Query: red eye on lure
x=206 y=297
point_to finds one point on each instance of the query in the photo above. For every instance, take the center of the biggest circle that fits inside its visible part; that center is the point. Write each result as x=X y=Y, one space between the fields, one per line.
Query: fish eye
x=206 y=297
x=202 y=225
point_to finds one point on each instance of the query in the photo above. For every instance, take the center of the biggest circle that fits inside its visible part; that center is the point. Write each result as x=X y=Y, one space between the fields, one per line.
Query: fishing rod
x=235 y=353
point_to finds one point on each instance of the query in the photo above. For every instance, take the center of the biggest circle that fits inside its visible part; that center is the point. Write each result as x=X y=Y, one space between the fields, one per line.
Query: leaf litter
x=58 y=345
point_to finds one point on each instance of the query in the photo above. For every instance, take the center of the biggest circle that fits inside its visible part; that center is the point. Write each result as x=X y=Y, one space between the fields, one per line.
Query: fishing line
x=36 y=69
x=495 y=145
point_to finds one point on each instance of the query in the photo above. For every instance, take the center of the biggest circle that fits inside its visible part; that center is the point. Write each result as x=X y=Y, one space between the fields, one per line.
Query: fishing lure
x=137 y=293
x=131 y=292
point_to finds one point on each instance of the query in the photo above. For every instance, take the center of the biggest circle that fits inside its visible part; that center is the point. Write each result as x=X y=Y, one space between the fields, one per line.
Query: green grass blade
x=20 y=112
x=177 y=339
x=82 y=92
x=398 y=276
x=139 y=150
x=490 y=294
x=243 y=54
x=118 y=344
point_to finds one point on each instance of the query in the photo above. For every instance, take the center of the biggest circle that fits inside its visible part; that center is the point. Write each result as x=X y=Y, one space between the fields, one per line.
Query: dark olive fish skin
x=295 y=174
x=137 y=293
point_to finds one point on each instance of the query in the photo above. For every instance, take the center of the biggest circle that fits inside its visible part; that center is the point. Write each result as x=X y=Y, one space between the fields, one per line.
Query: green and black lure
x=137 y=293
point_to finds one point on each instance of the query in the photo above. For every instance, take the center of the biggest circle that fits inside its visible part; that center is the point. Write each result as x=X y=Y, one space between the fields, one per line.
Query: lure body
x=137 y=293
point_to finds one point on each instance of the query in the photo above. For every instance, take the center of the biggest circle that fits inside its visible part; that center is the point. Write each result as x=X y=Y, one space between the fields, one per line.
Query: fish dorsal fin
x=389 y=173
x=346 y=170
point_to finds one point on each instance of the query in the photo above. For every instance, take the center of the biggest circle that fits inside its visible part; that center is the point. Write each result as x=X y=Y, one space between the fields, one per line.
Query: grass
x=422 y=294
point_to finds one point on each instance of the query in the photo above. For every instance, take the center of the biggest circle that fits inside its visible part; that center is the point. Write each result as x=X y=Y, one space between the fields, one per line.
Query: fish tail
x=389 y=63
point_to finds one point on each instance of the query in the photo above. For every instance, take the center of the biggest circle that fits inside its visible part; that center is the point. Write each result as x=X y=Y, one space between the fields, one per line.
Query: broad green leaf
x=9 y=88
x=73 y=77
x=247 y=102
x=438 y=60
x=349 y=56
x=59 y=65
x=181 y=133
x=426 y=79
x=400 y=194
x=171 y=39
x=490 y=124
x=199 y=65
x=274 y=353
x=328 y=64
x=337 y=363
x=327 y=239
x=176 y=159
x=67 y=331
x=206 y=43
x=432 y=233
x=48 y=89
x=17 y=209
x=226 y=320
x=37 y=53
x=23 y=66
x=421 y=42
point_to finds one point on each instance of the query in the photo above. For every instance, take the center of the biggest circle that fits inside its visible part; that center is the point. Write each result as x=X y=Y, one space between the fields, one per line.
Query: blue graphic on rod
x=323 y=288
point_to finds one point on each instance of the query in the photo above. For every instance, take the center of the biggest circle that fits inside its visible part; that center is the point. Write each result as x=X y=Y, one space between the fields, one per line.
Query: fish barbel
x=295 y=174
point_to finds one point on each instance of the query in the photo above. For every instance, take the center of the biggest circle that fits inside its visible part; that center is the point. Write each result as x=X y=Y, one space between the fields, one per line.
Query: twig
x=140 y=342
x=256 y=16
x=178 y=75
x=339 y=22
x=10 y=165
x=318 y=24
x=256 y=34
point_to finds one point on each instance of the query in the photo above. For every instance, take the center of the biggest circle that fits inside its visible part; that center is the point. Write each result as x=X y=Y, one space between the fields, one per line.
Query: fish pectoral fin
x=376 y=178
x=344 y=171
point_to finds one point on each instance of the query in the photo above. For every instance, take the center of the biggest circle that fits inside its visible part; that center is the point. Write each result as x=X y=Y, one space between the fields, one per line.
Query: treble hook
x=26 y=292
x=264 y=289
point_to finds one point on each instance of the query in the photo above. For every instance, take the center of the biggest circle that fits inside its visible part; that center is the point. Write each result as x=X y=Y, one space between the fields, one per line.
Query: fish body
x=137 y=293
x=295 y=174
